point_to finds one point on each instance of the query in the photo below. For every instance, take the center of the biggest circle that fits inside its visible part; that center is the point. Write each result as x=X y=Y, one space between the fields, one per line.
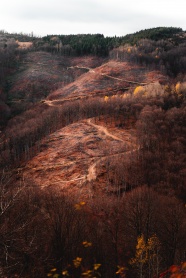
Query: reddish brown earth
x=67 y=78
x=41 y=73
x=76 y=157
x=110 y=76
x=73 y=158
x=24 y=45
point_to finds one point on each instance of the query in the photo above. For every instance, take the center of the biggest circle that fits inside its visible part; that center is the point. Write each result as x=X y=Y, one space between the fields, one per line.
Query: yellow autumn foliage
x=79 y=205
x=96 y=266
x=77 y=262
x=106 y=98
x=87 y=244
x=178 y=88
x=139 y=91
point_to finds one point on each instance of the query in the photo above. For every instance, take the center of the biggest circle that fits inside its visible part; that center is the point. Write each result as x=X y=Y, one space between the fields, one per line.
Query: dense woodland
x=139 y=230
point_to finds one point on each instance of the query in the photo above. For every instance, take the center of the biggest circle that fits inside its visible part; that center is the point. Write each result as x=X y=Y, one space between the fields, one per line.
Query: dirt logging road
x=91 y=162
x=61 y=99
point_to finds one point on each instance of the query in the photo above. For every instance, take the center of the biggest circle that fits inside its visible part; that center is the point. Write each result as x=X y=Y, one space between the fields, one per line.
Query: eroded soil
x=70 y=158
x=75 y=158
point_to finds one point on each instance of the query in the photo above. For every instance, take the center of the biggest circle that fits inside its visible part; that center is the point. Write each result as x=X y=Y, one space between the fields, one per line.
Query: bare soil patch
x=110 y=76
x=71 y=157
x=24 y=45
x=41 y=73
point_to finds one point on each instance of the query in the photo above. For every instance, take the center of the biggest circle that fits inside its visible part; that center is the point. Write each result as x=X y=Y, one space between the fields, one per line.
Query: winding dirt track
x=92 y=168
x=104 y=130
x=55 y=102
x=109 y=76
x=94 y=161
x=52 y=102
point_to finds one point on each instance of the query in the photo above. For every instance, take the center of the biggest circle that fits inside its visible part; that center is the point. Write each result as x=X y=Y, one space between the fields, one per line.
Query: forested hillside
x=92 y=155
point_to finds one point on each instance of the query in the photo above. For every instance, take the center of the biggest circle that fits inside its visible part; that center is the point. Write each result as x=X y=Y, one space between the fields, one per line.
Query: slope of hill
x=71 y=158
x=92 y=157
x=38 y=74
x=111 y=77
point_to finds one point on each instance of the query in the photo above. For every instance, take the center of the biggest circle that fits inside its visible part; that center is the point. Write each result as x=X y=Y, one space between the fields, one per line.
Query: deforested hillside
x=92 y=155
